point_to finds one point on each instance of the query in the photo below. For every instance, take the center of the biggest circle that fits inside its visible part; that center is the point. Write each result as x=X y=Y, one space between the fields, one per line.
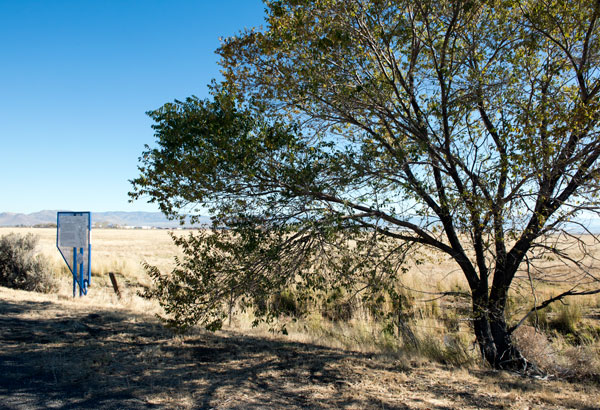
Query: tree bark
x=494 y=339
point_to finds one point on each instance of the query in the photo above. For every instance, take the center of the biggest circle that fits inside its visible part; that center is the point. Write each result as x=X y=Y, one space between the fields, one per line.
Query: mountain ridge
x=109 y=218
x=158 y=220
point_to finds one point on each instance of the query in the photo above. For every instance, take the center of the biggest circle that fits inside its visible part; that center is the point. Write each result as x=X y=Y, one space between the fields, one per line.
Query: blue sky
x=76 y=78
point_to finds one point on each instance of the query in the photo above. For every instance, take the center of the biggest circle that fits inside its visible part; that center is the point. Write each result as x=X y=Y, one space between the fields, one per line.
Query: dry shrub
x=536 y=347
x=539 y=319
x=288 y=303
x=450 y=348
x=21 y=267
x=583 y=361
x=558 y=356
x=337 y=307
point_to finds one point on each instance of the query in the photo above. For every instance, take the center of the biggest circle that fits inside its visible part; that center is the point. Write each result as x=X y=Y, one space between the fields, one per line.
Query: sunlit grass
x=441 y=325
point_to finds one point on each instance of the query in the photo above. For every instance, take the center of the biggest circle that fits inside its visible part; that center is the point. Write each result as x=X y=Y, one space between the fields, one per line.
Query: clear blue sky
x=76 y=78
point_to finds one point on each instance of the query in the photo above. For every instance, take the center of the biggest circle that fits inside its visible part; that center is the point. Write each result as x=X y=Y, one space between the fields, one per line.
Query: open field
x=103 y=352
x=116 y=250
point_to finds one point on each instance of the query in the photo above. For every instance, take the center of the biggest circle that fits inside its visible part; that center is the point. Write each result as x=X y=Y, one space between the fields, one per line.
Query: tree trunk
x=494 y=340
x=405 y=331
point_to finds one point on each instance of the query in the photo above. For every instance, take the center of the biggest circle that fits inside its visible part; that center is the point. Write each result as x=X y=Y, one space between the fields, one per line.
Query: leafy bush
x=21 y=267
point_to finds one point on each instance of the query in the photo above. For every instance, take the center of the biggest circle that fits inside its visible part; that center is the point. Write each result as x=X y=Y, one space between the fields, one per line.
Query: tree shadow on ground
x=51 y=357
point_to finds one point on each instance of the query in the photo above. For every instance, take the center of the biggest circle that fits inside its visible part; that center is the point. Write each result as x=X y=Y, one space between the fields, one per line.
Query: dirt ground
x=58 y=353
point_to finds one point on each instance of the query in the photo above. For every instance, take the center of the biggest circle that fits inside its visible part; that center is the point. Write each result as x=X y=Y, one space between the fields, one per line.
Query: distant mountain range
x=136 y=219
x=158 y=220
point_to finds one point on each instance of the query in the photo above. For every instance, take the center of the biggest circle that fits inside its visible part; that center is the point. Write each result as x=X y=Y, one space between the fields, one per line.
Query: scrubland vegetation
x=563 y=339
x=21 y=267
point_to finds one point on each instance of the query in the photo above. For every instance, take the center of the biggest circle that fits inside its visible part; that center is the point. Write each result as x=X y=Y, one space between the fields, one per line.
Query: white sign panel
x=73 y=231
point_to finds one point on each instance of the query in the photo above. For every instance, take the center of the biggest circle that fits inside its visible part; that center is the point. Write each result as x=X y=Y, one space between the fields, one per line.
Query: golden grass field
x=124 y=359
x=123 y=251
x=117 y=250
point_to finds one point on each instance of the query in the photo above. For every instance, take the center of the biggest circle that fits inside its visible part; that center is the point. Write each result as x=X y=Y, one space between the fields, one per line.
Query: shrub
x=336 y=307
x=567 y=319
x=555 y=353
x=21 y=267
x=537 y=348
x=583 y=362
x=539 y=319
x=287 y=303
x=452 y=348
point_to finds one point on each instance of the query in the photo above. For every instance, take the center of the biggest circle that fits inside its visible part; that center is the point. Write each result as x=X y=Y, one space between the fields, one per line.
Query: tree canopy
x=347 y=131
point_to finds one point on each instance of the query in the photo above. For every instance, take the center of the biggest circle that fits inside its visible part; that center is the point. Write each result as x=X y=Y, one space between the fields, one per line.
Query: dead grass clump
x=584 y=362
x=557 y=356
x=357 y=335
x=451 y=348
x=536 y=347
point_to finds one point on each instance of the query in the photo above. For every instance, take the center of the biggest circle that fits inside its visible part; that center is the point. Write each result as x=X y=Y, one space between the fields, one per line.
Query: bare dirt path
x=60 y=354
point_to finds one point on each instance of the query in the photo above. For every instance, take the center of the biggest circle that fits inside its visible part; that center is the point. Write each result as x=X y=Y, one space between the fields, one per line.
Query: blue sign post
x=73 y=240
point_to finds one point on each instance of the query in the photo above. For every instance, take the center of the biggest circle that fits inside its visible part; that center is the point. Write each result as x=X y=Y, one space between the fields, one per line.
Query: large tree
x=345 y=131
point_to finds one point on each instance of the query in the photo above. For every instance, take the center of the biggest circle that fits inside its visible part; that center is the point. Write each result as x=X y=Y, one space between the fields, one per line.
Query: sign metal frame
x=73 y=240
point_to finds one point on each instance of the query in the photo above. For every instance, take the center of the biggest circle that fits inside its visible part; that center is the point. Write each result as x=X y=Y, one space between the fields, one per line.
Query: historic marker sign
x=73 y=240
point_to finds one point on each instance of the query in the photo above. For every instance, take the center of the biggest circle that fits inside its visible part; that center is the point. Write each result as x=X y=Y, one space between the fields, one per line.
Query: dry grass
x=114 y=250
x=442 y=326
x=66 y=353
